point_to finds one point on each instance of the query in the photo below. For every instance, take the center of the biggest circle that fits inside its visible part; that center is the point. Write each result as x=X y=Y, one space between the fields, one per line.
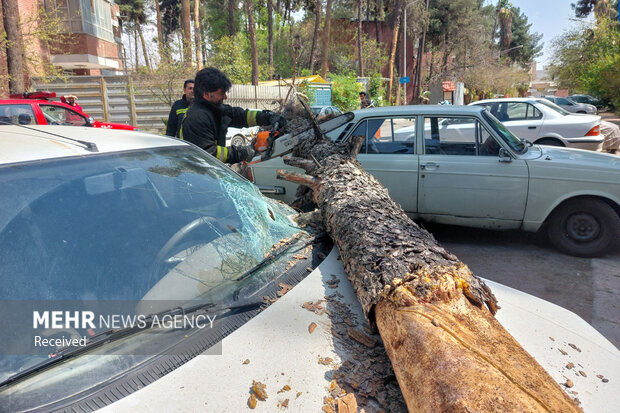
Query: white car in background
x=545 y=123
x=122 y=220
x=573 y=106
x=241 y=136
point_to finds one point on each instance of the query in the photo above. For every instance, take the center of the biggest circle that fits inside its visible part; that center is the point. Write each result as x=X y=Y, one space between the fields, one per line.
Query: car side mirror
x=90 y=120
x=504 y=155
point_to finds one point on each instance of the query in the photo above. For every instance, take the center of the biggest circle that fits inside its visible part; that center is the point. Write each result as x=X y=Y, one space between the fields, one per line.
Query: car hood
x=578 y=158
x=279 y=348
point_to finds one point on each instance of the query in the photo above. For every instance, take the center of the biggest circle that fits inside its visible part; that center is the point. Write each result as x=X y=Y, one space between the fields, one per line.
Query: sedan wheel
x=584 y=227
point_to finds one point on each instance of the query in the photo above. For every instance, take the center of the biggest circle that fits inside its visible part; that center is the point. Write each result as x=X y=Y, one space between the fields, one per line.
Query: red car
x=34 y=108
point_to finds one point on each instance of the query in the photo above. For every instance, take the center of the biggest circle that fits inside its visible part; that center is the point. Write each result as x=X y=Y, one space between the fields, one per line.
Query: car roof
x=419 y=110
x=526 y=99
x=36 y=142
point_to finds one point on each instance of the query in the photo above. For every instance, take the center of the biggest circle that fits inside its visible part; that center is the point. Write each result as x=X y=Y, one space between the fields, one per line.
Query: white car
x=545 y=123
x=459 y=165
x=572 y=105
x=100 y=227
x=241 y=136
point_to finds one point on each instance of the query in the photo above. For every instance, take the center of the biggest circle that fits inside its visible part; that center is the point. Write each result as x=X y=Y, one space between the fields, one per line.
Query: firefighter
x=177 y=112
x=208 y=118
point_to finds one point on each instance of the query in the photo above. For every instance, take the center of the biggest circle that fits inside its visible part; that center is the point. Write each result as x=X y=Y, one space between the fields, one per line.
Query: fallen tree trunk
x=435 y=317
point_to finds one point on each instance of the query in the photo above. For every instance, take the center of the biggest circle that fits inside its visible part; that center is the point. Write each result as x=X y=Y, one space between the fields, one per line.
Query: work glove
x=245 y=153
x=275 y=117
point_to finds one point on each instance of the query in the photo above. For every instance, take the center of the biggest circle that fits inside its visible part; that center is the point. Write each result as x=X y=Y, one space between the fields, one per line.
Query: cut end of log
x=440 y=284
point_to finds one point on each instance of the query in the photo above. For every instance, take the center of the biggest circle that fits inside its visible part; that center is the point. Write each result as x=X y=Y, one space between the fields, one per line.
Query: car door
x=466 y=182
x=389 y=155
x=59 y=115
x=521 y=118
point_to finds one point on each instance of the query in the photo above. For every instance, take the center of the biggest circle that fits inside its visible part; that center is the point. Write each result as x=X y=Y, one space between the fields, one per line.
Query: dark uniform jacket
x=175 y=118
x=205 y=125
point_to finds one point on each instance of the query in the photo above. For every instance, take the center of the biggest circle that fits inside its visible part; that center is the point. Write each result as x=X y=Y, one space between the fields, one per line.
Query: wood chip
x=551 y=338
x=311 y=327
x=283 y=404
x=298 y=394
x=583 y=373
x=605 y=380
x=246 y=361
x=568 y=383
x=575 y=347
x=562 y=351
x=347 y=404
x=252 y=401
x=325 y=360
x=285 y=388
x=260 y=390
x=362 y=338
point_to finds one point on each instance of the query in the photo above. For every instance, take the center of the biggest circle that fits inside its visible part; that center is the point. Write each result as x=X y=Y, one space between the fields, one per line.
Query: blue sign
x=404 y=79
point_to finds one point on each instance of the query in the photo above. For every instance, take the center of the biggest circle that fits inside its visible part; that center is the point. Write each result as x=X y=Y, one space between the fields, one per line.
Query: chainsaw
x=275 y=143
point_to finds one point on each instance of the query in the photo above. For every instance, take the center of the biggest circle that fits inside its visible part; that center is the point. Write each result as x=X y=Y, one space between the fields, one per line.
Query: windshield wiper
x=108 y=336
x=89 y=146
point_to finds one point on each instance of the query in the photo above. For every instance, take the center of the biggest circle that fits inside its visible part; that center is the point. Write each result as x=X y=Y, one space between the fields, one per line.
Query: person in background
x=71 y=100
x=208 y=118
x=177 y=112
x=364 y=102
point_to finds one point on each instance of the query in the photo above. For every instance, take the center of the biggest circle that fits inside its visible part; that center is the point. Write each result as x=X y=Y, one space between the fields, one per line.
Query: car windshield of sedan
x=553 y=106
x=147 y=226
x=515 y=143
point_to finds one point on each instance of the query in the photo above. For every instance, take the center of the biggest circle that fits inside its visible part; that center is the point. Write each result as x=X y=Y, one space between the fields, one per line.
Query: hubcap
x=582 y=227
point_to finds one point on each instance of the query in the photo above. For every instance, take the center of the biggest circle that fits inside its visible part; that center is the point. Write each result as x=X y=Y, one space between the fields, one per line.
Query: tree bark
x=197 y=40
x=249 y=9
x=360 y=61
x=187 y=32
x=326 y=29
x=143 y=44
x=435 y=317
x=14 y=49
x=317 y=25
x=395 y=27
x=160 y=31
x=270 y=35
x=231 y=18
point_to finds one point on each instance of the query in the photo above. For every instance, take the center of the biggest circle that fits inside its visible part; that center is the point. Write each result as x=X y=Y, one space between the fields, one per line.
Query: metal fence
x=141 y=101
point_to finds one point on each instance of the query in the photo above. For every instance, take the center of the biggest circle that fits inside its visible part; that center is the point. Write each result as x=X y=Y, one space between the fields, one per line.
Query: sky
x=549 y=18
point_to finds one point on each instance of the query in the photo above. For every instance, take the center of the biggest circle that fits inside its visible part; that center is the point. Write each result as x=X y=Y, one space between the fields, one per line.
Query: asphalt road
x=587 y=287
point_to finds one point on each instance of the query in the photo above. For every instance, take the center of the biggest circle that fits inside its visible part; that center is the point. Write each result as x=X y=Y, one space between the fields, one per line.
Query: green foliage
x=521 y=36
x=345 y=91
x=166 y=82
x=376 y=89
x=228 y=56
x=588 y=60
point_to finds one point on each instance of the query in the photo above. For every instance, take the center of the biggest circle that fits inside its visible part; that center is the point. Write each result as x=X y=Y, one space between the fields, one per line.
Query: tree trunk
x=360 y=61
x=187 y=32
x=14 y=48
x=143 y=44
x=395 y=27
x=377 y=21
x=197 y=41
x=135 y=41
x=317 y=25
x=326 y=29
x=270 y=35
x=249 y=9
x=418 y=73
x=231 y=18
x=160 y=31
x=448 y=351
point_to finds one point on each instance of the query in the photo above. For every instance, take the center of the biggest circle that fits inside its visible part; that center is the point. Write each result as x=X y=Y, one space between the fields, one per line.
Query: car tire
x=584 y=227
x=549 y=142
x=238 y=140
